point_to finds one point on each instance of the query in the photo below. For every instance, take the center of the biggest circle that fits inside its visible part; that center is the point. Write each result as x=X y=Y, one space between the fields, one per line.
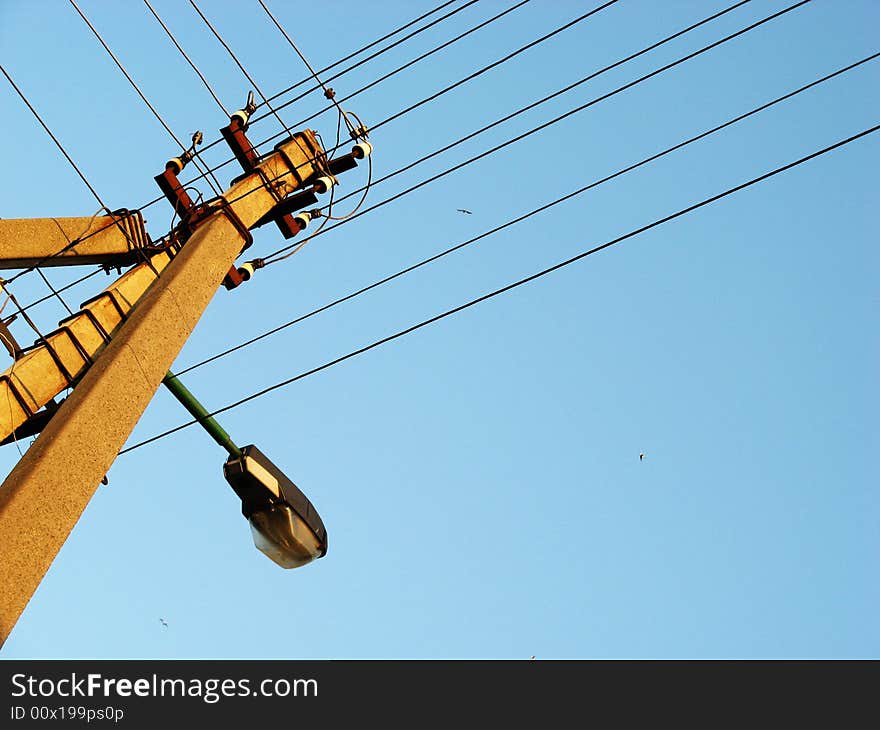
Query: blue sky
x=480 y=479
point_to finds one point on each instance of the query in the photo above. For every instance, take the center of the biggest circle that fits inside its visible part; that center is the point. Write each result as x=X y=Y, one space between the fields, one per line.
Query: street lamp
x=284 y=524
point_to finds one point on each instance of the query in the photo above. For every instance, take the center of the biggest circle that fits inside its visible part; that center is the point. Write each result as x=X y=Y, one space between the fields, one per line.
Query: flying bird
x=163 y=622
x=642 y=456
x=462 y=210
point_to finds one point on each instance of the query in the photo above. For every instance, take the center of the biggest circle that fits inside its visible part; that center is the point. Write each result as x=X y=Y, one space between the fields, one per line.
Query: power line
x=63 y=289
x=405 y=66
x=515 y=284
x=553 y=121
x=53 y=138
x=383 y=78
x=377 y=42
x=328 y=92
x=188 y=59
x=593 y=75
x=535 y=211
x=143 y=97
x=54 y=292
x=240 y=66
x=82 y=177
x=534 y=104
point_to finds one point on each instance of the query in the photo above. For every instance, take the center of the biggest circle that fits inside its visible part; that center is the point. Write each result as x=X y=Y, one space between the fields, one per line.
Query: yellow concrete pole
x=44 y=496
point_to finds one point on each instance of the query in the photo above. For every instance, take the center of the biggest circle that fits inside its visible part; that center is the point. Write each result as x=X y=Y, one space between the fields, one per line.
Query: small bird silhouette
x=163 y=622
x=642 y=456
x=462 y=210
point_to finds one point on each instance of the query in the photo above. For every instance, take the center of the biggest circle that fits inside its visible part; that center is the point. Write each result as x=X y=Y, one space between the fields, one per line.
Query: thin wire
x=536 y=211
x=72 y=164
x=366 y=191
x=62 y=289
x=406 y=65
x=143 y=97
x=55 y=293
x=328 y=93
x=593 y=75
x=70 y=244
x=531 y=106
x=553 y=121
x=240 y=66
x=4 y=285
x=515 y=284
x=188 y=59
x=377 y=42
x=52 y=136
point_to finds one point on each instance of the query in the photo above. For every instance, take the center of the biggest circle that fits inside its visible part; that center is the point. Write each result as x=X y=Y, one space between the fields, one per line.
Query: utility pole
x=43 y=497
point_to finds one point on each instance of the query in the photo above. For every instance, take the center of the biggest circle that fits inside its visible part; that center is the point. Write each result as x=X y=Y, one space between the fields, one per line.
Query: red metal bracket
x=249 y=159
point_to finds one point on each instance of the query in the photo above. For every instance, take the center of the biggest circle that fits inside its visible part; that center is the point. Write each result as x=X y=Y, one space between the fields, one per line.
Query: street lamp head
x=285 y=525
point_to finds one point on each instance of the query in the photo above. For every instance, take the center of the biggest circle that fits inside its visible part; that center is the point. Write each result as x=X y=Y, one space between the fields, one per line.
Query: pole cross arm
x=106 y=239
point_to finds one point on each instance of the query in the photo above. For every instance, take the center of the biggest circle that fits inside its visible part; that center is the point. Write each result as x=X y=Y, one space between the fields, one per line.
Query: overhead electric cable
x=513 y=285
x=535 y=211
x=76 y=169
x=240 y=66
x=408 y=64
x=63 y=289
x=53 y=291
x=188 y=59
x=146 y=101
x=528 y=107
x=53 y=137
x=377 y=42
x=593 y=75
x=545 y=125
x=384 y=77
x=328 y=92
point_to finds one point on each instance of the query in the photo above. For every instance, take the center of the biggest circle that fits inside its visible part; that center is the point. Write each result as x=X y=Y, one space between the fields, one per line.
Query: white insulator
x=242 y=116
x=176 y=164
x=323 y=184
x=246 y=270
x=302 y=219
x=361 y=150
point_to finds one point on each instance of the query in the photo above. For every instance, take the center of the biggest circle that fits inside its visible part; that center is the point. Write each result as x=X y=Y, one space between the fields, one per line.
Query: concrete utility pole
x=44 y=496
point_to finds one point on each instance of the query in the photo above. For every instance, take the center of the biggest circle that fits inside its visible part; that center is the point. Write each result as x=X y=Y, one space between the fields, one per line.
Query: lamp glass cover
x=283 y=536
